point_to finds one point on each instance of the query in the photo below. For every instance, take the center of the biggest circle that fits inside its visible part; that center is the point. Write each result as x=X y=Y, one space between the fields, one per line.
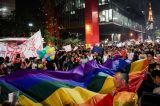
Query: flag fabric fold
x=84 y=85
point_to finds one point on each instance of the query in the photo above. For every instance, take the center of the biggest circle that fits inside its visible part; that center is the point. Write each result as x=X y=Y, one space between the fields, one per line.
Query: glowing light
x=4 y=9
x=106 y=41
x=131 y=34
x=88 y=28
x=157 y=41
x=30 y=24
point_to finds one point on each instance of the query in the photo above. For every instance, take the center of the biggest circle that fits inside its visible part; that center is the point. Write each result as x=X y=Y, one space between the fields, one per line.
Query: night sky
x=156 y=6
x=27 y=7
x=28 y=11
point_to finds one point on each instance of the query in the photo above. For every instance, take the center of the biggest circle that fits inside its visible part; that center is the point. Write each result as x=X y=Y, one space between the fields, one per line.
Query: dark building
x=118 y=19
x=7 y=17
x=6 y=7
x=156 y=13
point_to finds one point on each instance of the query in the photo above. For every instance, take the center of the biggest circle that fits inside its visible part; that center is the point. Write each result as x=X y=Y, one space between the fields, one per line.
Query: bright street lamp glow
x=30 y=24
x=131 y=34
x=4 y=9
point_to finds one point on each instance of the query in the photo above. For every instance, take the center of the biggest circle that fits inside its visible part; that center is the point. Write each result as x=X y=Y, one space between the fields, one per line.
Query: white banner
x=26 y=49
x=67 y=48
x=75 y=48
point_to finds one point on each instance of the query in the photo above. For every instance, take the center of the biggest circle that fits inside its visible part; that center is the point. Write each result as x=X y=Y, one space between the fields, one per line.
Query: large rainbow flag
x=85 y=85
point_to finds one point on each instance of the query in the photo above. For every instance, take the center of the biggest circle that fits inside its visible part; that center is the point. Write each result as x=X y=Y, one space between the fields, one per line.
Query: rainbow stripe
x=86 y=85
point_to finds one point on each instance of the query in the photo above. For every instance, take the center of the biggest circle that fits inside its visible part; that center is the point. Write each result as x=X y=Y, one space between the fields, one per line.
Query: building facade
x=117 y=19
x=156 y=13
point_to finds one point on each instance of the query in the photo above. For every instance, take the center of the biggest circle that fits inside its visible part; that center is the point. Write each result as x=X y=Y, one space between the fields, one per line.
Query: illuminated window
x=106 y=15
x=110 y=14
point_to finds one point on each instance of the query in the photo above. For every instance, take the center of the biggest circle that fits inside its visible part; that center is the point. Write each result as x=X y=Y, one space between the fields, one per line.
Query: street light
x=4 y=12
x=4 y=9
x=30 y=24
x=131 y=34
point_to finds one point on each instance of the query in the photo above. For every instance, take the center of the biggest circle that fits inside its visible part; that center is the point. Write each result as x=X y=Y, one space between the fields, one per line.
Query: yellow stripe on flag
x=139 y=65
x=108 y=86
x=70 y=97
x=24 y=101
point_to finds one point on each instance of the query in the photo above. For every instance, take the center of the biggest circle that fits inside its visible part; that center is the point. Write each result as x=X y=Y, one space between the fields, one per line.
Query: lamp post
x=30 y=27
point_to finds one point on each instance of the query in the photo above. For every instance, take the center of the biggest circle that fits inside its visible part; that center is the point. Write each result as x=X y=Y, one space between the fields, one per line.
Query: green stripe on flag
x=96 y=83
x=44 y=89
x=4 y=91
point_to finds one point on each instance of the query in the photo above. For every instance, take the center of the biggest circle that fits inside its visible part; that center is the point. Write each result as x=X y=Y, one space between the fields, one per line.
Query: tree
x=49 y=38
x=72 y=41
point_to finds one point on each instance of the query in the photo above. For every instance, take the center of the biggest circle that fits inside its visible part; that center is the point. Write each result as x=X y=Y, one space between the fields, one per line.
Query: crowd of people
x=65 y=61
x=68 y=60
